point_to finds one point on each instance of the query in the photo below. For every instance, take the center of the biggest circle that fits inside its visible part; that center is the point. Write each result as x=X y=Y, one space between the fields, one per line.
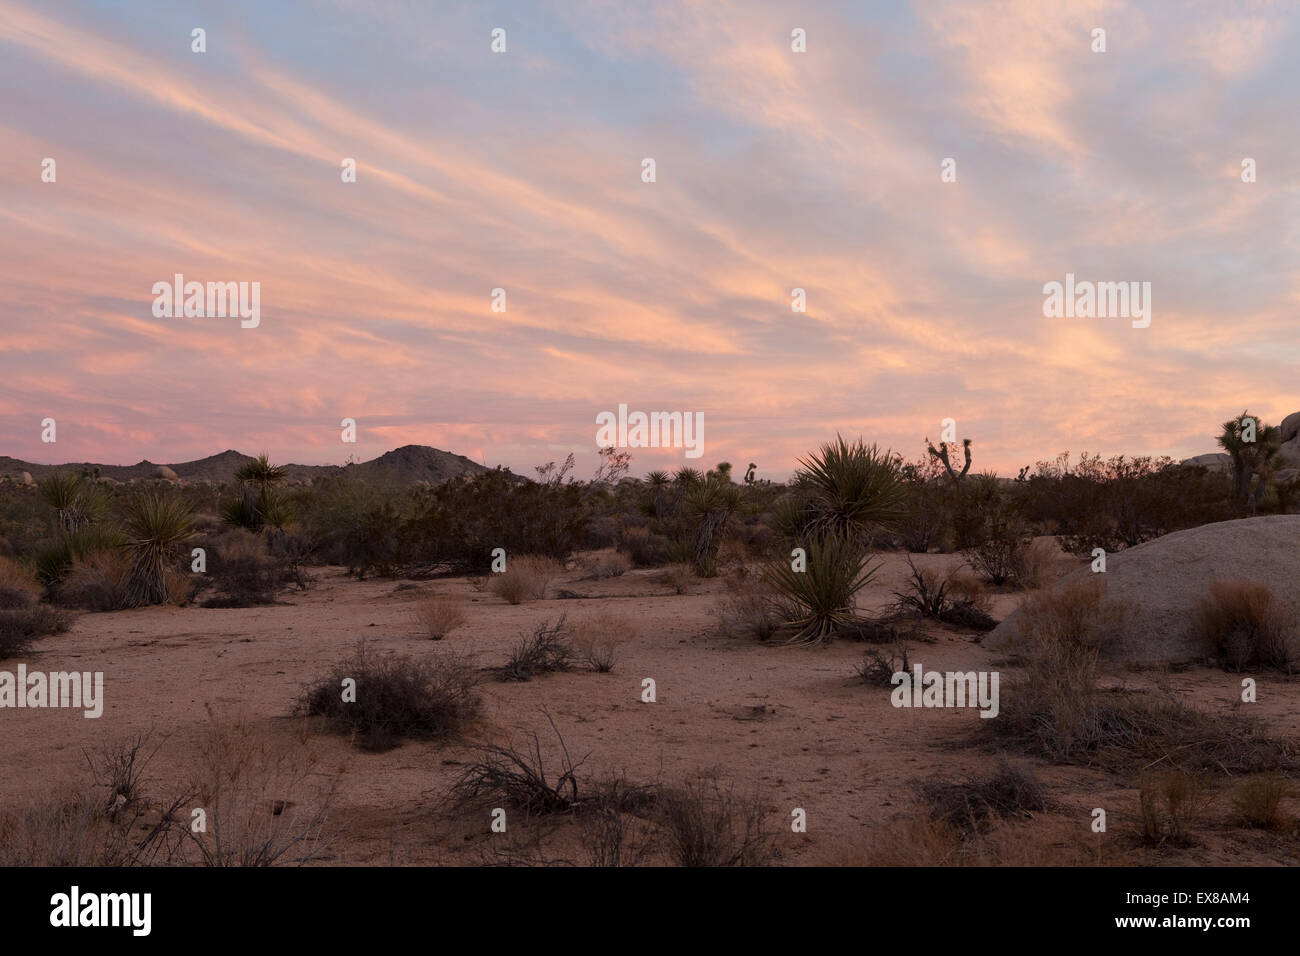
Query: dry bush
x=746 y=612
x=20 y=627
x=597 y=637
x=1259 y=801
x=546 y=649
x=610 y=564
x=97 y=582
x=439 y=614
x=19 y=586
x=111 y=822
x=707 y=823
x=677 y=576
x=263 y=797
x=970 y=805
x=922 y=840
x=1055 y=709
x=930 y=596
x=1248 y=626
x=613 y=837
x=397 y=697
x=525 y=578
x=1171 y=803
x=878 y=670
x=507 y=776
x=1043 y=563
x=645 y=549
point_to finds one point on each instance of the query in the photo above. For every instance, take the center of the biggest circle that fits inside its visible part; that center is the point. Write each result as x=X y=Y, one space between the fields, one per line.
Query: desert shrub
x=1248 y=626
x=644 y=548
x=53 y=557
x=677 y=576
x=266 y=798
x=878 y=669
x=1042 y=563
x=97 y=582
x=20 y=627
x=18 y=584
x=708 y=823
x=1258 y=801
x=746 y=609
x=609 y=565
x=597 y=636
x=247 y=569
x=439 y=614
x=397 y=697
x=1007 y=792
x=952 y=599
x=525 y=578
x=1170 y=804
x=1001 y=543
x=819 y=601
x=547 y=649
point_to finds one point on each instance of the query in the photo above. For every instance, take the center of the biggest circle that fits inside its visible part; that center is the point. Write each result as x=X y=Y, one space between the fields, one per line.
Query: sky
x=522 y=170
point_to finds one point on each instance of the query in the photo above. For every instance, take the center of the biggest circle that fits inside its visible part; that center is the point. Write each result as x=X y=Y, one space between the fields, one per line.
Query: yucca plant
x=156 y=525
x=258 y=501
x=848 y=489
x=819 y=601
x=76 y=502
x=53 y=559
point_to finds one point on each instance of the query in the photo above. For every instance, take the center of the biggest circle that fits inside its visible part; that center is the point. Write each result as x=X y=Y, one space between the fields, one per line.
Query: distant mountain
x=405 y=465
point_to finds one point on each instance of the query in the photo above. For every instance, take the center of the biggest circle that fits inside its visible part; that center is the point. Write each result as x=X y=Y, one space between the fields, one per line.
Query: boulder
x=1290 y=427
x=1160 y=583
x=26 y=478
x=1289 y=453
x=162 y=471
x=1218 y=462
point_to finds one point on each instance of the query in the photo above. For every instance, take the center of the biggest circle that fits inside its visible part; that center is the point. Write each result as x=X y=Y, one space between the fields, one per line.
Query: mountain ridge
x=406 y=464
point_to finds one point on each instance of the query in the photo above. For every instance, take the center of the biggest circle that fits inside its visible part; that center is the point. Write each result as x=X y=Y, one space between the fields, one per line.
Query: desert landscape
x=500 y=713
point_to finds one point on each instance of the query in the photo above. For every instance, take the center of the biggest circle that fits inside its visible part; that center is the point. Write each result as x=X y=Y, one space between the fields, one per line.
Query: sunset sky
x=522 y=170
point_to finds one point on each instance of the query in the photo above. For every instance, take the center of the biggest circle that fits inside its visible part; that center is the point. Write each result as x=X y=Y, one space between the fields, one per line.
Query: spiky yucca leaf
x=156 y=524
x=850 y=488
x=820 y=600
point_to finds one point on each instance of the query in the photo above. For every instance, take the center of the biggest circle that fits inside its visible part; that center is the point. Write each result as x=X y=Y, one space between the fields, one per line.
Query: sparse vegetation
x=1248 y=626
x=709 y=823
x=439 y=614
x=396 y=697
x=525 y=578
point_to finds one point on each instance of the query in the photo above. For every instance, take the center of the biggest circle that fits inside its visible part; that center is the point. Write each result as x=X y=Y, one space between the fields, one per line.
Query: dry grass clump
x=97 y=581
x=266 y=797
x=396 y=697
x=20 y=627
x=707 y=822
x=878 y=670
x=607 y=564
x=525 y=578
x=597 y=637
x=1171 y=803
x=1055 y=709
x=547 y=649
x=1248 y=626
x=439 y=614
x=746 y=610
x=955 y=599
x=923 y=840
x=678 y=577
x=18 y=584
x=1043 y=563
x=1258 y=801
x=970 y=805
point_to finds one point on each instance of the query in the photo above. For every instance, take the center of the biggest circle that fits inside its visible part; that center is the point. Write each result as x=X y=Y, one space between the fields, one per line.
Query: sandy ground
x=790 y=720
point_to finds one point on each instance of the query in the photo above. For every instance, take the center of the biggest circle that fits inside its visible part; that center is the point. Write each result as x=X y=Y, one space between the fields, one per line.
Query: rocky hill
x=405 y=465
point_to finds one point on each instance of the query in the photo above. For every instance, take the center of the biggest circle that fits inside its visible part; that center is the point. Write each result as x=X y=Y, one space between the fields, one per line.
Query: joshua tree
x=714 y=500
x=941 y=454
x=749 y=475
x=659 y=483
x=1253 y=448
x=724 y=470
